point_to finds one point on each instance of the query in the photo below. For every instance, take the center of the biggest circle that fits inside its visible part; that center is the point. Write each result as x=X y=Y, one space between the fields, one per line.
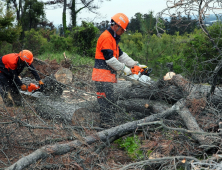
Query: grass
x=76 y=59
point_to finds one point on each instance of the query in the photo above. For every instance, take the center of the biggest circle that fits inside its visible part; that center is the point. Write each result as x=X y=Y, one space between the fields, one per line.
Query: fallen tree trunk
x=84 y=111
x=154 y=91
x=191 y=122
x=172 y=90
x=143 y=105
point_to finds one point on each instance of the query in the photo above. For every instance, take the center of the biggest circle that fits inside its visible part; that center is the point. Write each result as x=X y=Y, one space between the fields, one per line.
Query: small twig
x=151 y=161
x=64 y=54
x=178 y=129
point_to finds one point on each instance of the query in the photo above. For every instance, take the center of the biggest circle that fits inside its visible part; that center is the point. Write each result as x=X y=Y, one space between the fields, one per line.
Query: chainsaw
x=34 y=88
x=141 y=74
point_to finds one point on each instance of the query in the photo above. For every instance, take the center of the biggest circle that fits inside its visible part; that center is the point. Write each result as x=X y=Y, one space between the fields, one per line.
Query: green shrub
x=34 y=42
x=84 y=39
x=197 y=51
x=59 y=44
x=46 y=33
x=5 y=48
x=215 y=32
x=132 y=146
x=132 y=43
x=9 y=32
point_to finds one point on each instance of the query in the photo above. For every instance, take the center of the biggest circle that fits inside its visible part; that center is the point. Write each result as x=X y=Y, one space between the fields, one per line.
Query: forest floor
x=23 y=131
x=22 y=140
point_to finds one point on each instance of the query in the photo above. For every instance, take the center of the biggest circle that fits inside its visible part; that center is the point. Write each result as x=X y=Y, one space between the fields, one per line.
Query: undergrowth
x=132 y=146
x=76 y=59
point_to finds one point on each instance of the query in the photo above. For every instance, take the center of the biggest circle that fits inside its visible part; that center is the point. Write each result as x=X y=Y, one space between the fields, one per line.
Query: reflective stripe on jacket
x=107 y=47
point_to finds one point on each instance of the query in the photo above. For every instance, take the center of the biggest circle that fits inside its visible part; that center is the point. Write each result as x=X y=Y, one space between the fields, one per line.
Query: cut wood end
x=121 y=79
x=169 y=76
x=146 y=105
x=183 y=161
x=64 y=54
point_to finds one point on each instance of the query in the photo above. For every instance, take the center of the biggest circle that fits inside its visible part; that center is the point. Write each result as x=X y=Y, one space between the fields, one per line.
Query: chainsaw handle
x=149 y=71
x=41 y=87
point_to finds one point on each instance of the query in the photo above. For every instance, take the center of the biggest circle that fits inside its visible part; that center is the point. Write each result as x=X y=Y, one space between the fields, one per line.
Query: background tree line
x=145 y=23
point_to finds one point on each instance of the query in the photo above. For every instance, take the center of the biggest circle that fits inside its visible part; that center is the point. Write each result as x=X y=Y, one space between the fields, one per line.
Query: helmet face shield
x=27 y=56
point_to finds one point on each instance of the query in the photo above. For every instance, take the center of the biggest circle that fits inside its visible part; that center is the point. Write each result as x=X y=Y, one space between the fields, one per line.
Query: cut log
x=88 y=111
x=69 y=113
x=64 y=75
x=84 y=112
x=144 y=106
x=192 y=91
x=155 y=91
x=171 y=90
x=169 y=76
x=191 y=123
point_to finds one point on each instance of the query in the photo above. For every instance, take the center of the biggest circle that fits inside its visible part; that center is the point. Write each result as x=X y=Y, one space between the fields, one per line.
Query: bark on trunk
x=155 y=91
x=191 y=123
x=84 y=111
x=143 y=106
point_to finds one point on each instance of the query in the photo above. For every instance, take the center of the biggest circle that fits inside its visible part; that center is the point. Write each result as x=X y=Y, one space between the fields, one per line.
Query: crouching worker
x=109 y=59
x=11 y=65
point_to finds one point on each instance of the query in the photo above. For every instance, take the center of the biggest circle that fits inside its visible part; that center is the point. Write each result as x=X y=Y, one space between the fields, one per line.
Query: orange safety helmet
x=121 y=19
x=27 y=56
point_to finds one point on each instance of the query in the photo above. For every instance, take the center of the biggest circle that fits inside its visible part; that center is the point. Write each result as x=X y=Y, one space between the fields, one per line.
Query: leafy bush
x=35 y=42
x=8 y=31
x=200 y=49
x=84 y=39
x=5 y=48
x=132 y=43
x=46 y=33
x=59 y=44
x=132 y=146
x=216 y=34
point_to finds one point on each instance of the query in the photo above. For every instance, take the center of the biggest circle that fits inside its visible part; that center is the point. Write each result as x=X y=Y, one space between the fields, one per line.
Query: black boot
x=17 y=98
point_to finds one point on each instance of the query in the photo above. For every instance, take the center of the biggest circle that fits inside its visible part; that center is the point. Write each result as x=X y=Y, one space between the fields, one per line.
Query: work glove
x=142 y=66
x=23 y=87
x=40 y=82
x=127 y=71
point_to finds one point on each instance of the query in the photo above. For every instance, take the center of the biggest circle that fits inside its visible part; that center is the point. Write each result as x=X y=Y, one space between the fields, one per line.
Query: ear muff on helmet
x=27 y=56
x=121 y=19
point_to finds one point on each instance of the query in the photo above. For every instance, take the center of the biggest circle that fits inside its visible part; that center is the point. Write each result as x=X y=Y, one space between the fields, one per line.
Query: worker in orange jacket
x=109 y=59
x=11 y=65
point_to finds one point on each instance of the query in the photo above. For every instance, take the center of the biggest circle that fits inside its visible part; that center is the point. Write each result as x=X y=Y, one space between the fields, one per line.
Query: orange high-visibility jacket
x=107 y=47
x=9 y=67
